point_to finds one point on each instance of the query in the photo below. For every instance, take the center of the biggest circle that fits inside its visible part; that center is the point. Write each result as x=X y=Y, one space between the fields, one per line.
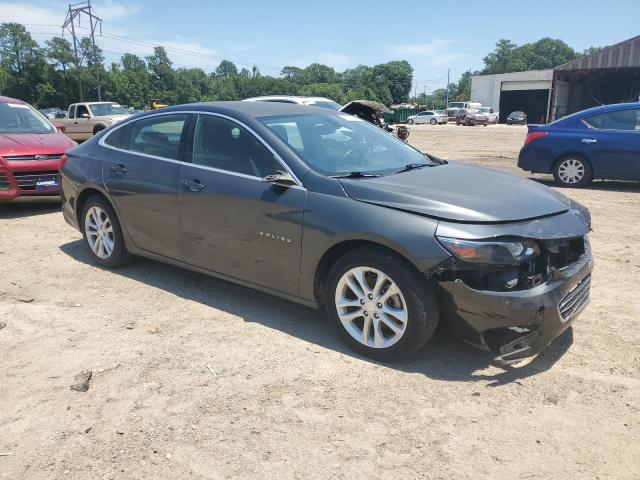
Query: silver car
x=428 y=116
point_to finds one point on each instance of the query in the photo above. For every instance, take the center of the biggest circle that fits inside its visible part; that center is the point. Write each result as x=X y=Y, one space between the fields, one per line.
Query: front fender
x=330 y=220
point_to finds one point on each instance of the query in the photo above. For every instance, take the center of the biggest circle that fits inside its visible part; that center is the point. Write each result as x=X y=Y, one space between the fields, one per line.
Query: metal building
x=609 y=76
x=526 y=91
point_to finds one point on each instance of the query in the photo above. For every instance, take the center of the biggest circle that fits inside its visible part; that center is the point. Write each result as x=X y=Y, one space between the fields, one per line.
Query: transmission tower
x=76 y=12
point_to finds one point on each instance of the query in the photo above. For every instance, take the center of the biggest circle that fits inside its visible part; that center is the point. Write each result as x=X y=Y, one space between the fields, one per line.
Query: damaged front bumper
x=517 y=324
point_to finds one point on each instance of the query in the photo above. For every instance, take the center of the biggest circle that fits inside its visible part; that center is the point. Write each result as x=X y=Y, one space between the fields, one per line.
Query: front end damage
x=517 y=310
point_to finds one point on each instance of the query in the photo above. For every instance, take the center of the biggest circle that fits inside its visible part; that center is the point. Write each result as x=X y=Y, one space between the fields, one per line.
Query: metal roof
x=620 y=55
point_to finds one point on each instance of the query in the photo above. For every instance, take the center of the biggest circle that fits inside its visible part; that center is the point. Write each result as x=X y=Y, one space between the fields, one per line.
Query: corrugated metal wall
x=486 y=88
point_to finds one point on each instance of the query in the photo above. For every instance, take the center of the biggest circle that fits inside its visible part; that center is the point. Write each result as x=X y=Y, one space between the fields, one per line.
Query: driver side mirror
x=84 y=115
x=284 y=179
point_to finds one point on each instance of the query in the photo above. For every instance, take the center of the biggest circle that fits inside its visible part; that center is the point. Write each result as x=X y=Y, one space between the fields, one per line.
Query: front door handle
x=119 y=169
x=193 y=185
x=589 y=140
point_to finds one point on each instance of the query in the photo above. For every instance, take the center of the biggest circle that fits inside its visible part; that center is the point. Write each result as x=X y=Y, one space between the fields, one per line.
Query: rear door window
x=158 y=136
x=617 y=120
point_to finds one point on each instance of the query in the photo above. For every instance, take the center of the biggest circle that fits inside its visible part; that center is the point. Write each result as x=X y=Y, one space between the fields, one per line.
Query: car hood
x=34 y=143
x=460 y=193
x=113 y=118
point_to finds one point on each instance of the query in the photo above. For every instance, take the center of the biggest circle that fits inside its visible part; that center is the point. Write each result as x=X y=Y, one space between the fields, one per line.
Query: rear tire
x=376 y=322
x=103 y=234
x=433 y=121
x=572 y=171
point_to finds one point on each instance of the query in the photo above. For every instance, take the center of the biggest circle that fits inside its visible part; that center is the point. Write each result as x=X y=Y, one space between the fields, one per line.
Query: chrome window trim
x=279 y=159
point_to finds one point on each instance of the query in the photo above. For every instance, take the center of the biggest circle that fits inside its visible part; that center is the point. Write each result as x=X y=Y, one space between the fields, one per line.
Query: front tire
x=410 y=121
x=103 y=234
x=382 y=307
x=572 y=171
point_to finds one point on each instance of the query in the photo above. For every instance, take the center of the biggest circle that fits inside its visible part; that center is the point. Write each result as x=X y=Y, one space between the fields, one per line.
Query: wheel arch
x=84 y=195
x=98 y=127
x=341 y=248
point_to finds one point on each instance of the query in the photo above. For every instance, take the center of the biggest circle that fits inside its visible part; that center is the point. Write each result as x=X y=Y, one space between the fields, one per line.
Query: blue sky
x=432 y=36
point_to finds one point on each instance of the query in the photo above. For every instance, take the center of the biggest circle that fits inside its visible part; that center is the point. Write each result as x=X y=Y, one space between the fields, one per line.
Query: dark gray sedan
x=325 y=209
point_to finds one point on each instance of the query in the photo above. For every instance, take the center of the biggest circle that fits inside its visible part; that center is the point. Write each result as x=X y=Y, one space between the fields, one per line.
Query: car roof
x=249 y=109
x=609 y=107
x=293 y=98
x=10 y=100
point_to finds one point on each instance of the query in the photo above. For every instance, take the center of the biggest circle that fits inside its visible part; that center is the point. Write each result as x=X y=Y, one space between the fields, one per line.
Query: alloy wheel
x=371 y=307
x=571 y=171
x=99 y=231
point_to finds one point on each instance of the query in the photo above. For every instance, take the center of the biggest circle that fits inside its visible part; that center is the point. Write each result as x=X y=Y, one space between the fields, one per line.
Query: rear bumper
x=521 y=324
x=29 y=178
x=537 y=159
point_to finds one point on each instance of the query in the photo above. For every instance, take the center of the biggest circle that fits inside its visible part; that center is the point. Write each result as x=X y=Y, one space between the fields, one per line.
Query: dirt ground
x=197 y=378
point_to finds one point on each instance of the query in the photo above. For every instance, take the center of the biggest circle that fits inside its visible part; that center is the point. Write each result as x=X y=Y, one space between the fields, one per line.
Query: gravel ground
x=197 y=378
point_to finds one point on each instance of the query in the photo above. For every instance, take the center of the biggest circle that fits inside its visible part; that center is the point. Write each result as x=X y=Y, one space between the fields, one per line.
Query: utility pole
x=76 y=10
x=448 y=73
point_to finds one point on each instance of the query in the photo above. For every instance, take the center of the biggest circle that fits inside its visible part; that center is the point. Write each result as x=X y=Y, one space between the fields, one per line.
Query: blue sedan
x=601 y=142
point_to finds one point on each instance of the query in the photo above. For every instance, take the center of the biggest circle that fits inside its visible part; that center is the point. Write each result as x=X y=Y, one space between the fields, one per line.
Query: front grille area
x=27 y=180
x=576 y=299
x=33 y=158
x=4 y=182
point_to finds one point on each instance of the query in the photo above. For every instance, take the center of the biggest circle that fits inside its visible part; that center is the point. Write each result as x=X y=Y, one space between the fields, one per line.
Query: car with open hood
x=324 y=209
x=31 y=151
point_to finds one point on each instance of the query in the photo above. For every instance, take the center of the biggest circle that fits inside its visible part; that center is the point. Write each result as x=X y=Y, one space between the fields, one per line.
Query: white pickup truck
x=88 y=118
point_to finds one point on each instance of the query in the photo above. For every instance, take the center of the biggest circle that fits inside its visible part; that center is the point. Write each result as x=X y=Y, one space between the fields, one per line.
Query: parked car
x=471 y=117
x=31 y=149
x=492 y=115
x=88 y=118
x=517 y=118
x=325 y=209
x=443 y=114
x=601 y=142
x=53 y=113
x=308 y=101
x=428 y=116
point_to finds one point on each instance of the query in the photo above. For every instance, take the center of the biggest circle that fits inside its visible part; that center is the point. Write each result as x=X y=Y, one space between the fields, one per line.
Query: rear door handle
x=589 y=140
x=193 y=185
x=119 y=169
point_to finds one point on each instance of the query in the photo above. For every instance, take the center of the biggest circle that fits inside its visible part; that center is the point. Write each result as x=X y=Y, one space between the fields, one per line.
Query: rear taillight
x=534 y=135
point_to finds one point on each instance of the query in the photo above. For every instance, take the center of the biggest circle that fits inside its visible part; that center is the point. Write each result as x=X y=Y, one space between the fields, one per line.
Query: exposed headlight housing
x=491 y=252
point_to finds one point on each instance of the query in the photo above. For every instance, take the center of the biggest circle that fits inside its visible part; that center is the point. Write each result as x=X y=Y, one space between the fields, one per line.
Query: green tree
x=163 y=77
x=398 y=76
x=543 y=54
x=59 y=51
x=226 y=69
x=23 y=60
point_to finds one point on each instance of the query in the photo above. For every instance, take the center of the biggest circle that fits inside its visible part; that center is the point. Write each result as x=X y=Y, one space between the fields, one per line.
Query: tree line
x=47 y=75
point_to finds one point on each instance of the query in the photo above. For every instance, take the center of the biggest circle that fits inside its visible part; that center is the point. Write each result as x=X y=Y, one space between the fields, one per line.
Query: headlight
x=494 y=252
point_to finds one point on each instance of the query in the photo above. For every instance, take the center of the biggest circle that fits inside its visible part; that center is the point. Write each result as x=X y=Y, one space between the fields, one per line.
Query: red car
x=31 y=151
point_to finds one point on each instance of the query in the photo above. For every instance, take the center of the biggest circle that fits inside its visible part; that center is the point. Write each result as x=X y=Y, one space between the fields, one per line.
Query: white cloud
x=434 y=53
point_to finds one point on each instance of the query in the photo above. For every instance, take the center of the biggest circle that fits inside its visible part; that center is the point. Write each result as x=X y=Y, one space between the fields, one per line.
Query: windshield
x=22 y=118
x=485 y=109
x=456 y=104
x=342 y=144
x=325 y=104
x=105 y=109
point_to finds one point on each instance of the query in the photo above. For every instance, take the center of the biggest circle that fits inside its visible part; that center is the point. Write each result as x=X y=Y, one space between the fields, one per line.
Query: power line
x=182 y=51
